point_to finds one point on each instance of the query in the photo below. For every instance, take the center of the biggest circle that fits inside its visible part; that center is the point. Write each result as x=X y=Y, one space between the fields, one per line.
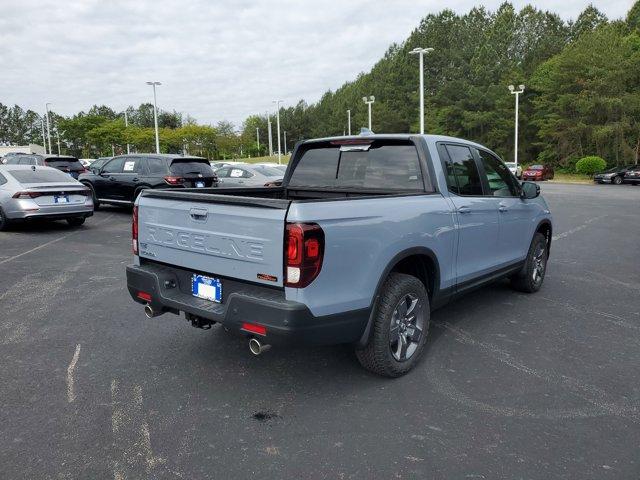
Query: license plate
x=199 y=184
x=206 y=287
x=61 y=199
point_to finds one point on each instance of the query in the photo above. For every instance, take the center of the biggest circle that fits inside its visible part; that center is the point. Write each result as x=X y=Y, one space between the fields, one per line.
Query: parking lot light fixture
x=278 y=102
x=517 y=93
x=44 y=140
x=155 y=114
x=126 y=125
x=421 y=52
x=46 y=106
x=269 y=133
x=349 y=121
x=369 y=101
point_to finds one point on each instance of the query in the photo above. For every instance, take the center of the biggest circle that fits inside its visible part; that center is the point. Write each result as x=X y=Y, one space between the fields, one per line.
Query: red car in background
x=538 y=172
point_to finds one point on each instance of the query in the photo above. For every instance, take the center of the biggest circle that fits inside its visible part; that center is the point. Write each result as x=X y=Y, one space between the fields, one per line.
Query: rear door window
x=40 y=175
x=156 y=166
x=378 y=165
x=463 y=177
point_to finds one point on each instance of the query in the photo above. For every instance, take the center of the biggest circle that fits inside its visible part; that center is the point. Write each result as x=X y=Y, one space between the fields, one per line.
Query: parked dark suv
x=67 y=164
x=121 y=179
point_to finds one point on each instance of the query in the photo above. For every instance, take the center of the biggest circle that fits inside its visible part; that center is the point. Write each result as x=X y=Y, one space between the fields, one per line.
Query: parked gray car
x=248 y=175
x=30 y=192
x=364 y=238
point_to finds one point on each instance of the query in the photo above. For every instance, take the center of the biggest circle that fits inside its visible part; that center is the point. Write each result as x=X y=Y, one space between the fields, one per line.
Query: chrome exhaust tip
x=256 y=347
x=148 y=311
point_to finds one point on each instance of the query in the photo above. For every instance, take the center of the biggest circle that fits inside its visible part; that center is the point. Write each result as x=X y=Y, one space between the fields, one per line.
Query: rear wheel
x=530 y=278
x=75 y=222
x=400 y=327
x=617 y=180
x=4 y=221
x=96 y=203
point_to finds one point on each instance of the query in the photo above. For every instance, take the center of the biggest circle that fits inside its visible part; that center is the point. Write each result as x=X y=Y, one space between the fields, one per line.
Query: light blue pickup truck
x=365 y=237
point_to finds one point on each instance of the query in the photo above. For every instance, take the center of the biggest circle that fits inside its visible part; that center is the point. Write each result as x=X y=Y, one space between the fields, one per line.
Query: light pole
x=369 y=101
x=126 y=125
x=44 y=140
x=58 y=137
x=258 y=138
x=270 y=135
x=517 y=94
x=349 y=121
x=155 y=114
x=285 y=141
x=278 y=102
x=46 y=106
x=421 y=52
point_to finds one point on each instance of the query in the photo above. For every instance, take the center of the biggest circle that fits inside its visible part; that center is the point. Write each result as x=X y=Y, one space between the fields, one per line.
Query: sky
x=216 y=59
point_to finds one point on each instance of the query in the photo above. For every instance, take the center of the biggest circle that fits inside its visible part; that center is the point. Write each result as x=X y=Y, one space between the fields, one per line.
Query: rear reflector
x=144 y=296
x=253 y=328
x=134 y=230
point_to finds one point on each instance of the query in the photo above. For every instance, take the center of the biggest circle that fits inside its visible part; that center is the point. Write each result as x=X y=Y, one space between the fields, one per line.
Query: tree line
x=582 y=95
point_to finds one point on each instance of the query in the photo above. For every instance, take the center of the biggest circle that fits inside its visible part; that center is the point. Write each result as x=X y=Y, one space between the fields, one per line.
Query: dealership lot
x=510 y=386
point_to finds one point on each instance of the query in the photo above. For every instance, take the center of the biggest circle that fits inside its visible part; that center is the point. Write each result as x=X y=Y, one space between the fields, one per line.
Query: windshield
x=41 y=175
x=191 y=167
x=377 y=165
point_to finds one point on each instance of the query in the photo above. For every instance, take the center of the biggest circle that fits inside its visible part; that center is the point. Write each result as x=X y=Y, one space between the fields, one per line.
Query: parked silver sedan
x=28 y=192
x=247 y=175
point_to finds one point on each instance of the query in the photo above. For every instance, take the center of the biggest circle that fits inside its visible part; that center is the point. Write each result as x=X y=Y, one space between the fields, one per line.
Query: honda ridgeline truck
x=365 y=237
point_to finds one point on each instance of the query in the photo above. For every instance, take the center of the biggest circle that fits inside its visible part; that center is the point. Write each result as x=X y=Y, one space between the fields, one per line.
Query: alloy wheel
x=407 y=327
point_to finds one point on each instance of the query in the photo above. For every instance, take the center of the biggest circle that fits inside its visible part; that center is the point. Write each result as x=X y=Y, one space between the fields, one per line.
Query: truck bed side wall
x=363 y=236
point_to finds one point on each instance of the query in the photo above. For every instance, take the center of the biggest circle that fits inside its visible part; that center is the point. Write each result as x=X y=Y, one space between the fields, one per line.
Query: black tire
x=530 y=278
x=379 y=355
x=617 y=180
x=4 y=221
x=96 y=203
x=75 y=222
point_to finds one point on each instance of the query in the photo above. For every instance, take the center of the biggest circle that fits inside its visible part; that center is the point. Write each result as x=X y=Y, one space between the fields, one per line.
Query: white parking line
x=55 y=240
x=577 y=229
x=71 y=394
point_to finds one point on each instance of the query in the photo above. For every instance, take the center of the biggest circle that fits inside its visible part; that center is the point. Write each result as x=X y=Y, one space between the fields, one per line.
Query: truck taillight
x=304 y=249
x=134 y=230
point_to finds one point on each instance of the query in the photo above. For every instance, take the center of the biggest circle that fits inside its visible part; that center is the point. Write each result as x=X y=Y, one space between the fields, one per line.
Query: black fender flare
x=364 y=339
x=546 y=222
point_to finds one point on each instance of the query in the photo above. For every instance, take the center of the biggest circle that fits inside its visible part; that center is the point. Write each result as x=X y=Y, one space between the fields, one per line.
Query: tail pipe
x=257 y=347
x=150 y=312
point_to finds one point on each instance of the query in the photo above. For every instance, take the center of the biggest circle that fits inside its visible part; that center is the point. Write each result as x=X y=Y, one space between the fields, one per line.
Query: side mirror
x=529 y=190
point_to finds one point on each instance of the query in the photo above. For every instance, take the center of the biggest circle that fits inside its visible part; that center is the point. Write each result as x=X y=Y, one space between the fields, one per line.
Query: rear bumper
x=287 y=322
x=51 y=213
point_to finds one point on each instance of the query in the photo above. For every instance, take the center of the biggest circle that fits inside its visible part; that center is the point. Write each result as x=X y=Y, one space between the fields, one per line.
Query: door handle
x=199 y=213
x=136 y=179
x=503 y=208
x=464 y=209
x=113 y=179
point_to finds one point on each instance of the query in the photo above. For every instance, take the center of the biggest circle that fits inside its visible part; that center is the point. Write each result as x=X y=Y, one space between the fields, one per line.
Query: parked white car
x=516 y=170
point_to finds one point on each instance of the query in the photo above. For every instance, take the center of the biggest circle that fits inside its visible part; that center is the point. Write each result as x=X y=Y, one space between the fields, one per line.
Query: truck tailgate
x=228 y=237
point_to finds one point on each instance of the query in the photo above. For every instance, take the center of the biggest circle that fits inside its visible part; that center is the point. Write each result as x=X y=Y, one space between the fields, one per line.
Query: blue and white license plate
x=206 y=287
x=199 y=184
x=61 y=199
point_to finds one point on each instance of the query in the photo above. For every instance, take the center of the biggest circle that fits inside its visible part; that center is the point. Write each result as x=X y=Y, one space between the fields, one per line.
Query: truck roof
x=396 y=136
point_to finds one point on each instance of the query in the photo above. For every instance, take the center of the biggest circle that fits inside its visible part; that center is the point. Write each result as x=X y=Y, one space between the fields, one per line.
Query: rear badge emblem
x=269 y=278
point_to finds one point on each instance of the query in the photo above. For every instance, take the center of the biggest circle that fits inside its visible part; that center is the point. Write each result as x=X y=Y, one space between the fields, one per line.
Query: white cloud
x=216 y=59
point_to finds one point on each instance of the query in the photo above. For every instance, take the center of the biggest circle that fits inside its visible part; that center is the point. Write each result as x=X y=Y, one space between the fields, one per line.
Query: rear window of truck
x=377 y=165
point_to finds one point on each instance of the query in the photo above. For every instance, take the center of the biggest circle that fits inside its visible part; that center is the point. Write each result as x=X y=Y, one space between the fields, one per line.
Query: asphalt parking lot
x=511 y=385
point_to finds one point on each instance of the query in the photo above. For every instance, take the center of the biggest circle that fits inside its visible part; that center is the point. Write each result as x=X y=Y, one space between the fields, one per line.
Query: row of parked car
x=50 y=186
x=619 y=175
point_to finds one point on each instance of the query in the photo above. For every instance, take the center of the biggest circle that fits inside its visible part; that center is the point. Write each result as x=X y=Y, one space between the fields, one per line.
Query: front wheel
x=400 y=327
x=616 y=180
x=530 y=278
x=4 y=221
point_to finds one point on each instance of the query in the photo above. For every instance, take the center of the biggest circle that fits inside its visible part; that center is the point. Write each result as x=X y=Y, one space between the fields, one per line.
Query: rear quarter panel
x=362 y=236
